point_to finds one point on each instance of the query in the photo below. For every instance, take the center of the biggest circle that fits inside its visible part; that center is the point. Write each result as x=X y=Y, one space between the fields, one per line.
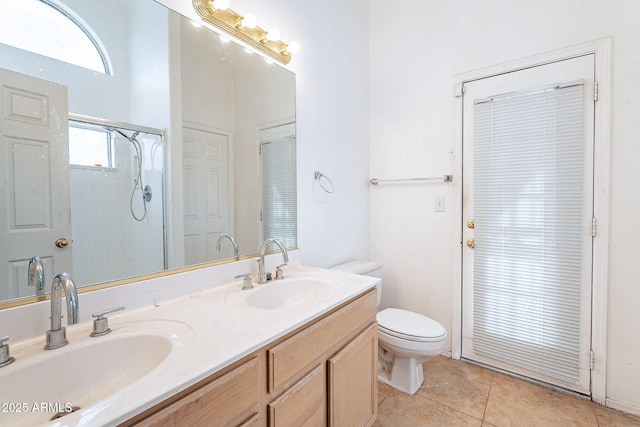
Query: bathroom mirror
x=202 y=112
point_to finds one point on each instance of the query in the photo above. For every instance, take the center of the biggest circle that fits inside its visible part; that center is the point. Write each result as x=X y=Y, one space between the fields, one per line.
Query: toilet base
x=406 y=375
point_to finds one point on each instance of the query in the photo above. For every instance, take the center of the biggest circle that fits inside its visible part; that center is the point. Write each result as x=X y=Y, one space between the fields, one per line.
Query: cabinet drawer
x=232 y=399
x=291 y=359
x=304 y=404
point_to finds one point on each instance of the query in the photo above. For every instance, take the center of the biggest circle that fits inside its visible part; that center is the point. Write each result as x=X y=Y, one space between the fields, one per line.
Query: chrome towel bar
x=445 y=178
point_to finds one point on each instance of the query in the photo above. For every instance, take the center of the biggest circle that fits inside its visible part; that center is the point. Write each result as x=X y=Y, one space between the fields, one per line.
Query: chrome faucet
x=233 y=242
x=262 y=276
x=35 y=276
x=57 y=335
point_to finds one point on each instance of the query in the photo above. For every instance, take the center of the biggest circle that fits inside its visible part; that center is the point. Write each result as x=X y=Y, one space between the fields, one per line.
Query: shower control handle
x=62 y=242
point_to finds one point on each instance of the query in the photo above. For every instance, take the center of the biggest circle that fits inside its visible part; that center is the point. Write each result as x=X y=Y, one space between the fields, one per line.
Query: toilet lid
x=409 y=325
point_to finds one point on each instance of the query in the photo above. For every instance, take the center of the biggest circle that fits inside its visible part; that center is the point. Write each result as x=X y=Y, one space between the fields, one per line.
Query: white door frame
x=602 y=141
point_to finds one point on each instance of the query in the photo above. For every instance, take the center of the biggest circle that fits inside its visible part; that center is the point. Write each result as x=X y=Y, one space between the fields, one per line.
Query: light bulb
x=249 y=21
x=273 y=35
x=293 y=47
x=219 y=4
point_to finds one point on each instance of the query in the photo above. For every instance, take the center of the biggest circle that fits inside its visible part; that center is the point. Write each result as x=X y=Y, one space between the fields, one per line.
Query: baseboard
x=624 y=407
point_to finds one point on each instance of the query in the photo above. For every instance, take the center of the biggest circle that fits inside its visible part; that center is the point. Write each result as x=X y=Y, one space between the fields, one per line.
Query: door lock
x=62 y=242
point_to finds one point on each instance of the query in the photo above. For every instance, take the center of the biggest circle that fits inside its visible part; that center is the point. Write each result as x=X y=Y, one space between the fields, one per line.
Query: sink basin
x=86 y=371
x=281 y=294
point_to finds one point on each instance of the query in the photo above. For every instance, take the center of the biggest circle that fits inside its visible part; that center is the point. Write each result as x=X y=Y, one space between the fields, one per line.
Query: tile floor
x=457 y=393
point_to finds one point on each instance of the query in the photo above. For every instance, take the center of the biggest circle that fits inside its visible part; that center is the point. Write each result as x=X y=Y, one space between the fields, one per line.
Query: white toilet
x=405 y=339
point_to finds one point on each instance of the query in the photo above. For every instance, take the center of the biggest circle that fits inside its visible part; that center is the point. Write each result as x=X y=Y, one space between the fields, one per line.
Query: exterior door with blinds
x=527 y=212
x=279 y=202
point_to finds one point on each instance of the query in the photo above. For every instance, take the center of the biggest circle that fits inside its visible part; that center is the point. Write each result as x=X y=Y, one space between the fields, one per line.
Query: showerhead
x=131 y=138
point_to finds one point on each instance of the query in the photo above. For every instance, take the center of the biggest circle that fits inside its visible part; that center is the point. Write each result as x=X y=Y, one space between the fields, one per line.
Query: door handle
x=62 y=242
x=471 y=224
x=471 y=243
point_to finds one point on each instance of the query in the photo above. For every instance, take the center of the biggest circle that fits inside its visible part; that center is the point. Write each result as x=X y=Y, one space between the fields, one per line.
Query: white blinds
x=279 y=207
x=528 y=211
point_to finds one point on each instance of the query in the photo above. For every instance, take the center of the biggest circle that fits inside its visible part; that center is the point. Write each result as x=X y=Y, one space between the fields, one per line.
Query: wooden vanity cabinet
x=232 y=398
x=343 y=345
x=323 y=373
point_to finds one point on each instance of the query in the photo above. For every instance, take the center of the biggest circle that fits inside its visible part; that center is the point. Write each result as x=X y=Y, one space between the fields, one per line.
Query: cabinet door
x=303 y=405
x=353 y=381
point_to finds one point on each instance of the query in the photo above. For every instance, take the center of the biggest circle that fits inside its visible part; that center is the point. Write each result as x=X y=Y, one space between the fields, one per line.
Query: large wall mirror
x=147 y=159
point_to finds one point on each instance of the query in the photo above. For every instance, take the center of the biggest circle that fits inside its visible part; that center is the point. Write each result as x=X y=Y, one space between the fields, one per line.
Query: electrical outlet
x=439 y=205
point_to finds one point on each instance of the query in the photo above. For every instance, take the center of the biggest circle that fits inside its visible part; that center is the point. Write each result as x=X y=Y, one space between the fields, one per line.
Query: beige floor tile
x=457 y=384
x=383 y=391
x=608 y=417
x=514 y=402
x=456 y=393
x=403 y=410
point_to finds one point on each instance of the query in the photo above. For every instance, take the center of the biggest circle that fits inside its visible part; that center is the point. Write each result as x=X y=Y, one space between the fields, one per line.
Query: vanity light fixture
x=245 y=29
x=218 y=5
x=249 y=21
x=272 y=35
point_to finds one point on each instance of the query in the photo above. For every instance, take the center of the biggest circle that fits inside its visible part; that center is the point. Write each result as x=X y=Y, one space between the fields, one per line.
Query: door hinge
x=458 y=90
x=593 y=227
x=595 y=91
x=592 y=360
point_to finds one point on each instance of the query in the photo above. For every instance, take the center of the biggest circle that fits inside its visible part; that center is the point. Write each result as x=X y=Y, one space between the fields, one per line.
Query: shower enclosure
x=117 y=200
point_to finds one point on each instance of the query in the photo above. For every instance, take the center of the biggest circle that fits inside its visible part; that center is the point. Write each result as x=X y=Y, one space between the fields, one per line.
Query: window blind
x=528 y=212
x=279 y=206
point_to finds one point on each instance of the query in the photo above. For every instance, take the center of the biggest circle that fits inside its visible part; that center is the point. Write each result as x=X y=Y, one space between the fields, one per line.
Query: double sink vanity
x=301 y=350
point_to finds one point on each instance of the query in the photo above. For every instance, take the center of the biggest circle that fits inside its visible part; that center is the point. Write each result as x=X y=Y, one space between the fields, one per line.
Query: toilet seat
x=410 y=326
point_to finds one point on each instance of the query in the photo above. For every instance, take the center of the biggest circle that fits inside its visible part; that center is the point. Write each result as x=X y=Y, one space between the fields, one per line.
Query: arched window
x=53 y=31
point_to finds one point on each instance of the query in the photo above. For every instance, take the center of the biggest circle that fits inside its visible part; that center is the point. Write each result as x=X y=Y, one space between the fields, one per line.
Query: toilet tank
x=365 y=268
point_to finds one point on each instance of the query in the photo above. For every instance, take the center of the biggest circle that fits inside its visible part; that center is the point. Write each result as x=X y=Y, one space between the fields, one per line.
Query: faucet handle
x=247 y=283
x=5 y=359
x=279 y=272
x=101 y=323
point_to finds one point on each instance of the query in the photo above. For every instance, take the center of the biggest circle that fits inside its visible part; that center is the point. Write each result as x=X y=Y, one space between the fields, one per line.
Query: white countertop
x=215 y=332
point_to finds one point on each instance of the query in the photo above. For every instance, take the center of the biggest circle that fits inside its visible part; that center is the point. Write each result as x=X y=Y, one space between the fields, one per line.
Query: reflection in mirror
x=143 y=166
x=117 y=203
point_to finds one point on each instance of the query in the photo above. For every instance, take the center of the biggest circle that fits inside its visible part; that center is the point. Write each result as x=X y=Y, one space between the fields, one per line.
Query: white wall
x=412 y=68
x=332 y=106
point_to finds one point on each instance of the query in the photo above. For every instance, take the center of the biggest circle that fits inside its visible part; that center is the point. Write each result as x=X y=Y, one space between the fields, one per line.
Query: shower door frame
x=602 y=52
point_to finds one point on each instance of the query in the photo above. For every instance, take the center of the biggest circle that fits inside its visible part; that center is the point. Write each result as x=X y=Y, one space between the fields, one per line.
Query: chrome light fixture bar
x=244 y=28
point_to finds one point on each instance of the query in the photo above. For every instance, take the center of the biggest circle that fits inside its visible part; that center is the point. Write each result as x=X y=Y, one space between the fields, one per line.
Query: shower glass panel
x=116 y=202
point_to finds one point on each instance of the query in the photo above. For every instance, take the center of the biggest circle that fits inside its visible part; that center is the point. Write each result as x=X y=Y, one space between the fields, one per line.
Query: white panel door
x=515 y=276
x=34 y=190
x=207 y=212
